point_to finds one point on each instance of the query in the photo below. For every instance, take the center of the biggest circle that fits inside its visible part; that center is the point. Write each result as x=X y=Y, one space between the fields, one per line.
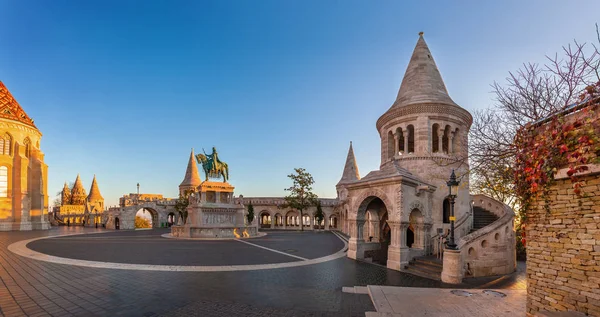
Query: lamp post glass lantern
x=453 y=191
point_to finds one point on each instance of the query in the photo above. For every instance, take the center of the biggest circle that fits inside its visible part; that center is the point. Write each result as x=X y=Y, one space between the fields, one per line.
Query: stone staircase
x=425 y=266
x=430 y=266
x=482 y=218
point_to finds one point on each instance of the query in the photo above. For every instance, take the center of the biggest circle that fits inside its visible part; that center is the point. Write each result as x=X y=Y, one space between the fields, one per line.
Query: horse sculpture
x=212 y=166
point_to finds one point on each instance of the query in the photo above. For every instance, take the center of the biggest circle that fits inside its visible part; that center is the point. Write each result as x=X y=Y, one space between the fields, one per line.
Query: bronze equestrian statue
x=212 y=165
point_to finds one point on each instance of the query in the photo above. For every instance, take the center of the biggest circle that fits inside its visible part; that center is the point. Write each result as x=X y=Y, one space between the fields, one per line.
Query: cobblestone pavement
x=35 y=288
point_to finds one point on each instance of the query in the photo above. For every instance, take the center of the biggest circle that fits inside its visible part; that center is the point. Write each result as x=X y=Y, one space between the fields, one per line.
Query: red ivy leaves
x=562 y=142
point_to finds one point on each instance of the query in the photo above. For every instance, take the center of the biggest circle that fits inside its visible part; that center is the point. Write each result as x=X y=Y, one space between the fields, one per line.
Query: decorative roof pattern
x=78 y=192
x=95 y=191
x=350 y=173
x=192 y=178
x=10 y=108
x=422 y=81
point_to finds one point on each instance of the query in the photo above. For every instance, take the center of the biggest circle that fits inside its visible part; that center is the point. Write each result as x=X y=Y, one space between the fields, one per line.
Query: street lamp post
x=453 y=190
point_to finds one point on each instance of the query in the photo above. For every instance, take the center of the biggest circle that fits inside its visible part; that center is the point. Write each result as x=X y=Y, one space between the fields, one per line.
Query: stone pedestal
x=356 y=249
x=452 y=272
x=394 y=256
x=212 y=214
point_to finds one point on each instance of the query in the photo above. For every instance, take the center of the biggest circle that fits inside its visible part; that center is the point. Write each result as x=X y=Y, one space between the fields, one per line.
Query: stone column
x=393 y=261
x=356 y=242
x=396 y=143
x=450 y=140
x=375 y=230
x=326 y=222
x=272 y=221
x=426 y=237
x=405 y=134
x=440 y=140
x=452 y=271
x=404 y=249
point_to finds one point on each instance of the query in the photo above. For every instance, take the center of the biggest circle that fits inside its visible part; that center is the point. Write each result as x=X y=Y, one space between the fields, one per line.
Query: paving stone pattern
x=35 y=288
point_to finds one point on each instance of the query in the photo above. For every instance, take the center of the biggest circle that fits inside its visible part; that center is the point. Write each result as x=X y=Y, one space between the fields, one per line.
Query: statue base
x=212 y=213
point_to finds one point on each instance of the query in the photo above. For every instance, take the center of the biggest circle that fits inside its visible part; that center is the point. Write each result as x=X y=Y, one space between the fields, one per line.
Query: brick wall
x=563 y=249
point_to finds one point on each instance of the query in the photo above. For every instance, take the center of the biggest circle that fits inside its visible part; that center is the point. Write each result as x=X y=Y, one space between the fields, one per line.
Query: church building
x=23 y=173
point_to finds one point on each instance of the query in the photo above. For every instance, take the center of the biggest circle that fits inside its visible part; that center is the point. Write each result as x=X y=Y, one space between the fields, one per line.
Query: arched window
x=390 y=141
x=5 y=144
x=446 y=211
x=401 y=141
x=445 y=139
x=411 y=139
x=27 y=145
x=435 y=139
x=3 y=181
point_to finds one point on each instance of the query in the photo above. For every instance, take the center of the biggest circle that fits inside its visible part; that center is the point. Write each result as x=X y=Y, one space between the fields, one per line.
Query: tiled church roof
x=10 y=108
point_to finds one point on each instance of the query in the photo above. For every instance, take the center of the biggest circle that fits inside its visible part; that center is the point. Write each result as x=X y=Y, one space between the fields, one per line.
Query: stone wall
x=563 y=248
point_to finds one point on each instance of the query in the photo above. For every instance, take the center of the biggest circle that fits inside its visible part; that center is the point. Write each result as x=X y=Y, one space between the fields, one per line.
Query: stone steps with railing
x=425 y=266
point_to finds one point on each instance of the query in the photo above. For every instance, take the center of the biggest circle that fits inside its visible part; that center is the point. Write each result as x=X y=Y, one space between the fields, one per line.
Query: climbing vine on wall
x=563 y=141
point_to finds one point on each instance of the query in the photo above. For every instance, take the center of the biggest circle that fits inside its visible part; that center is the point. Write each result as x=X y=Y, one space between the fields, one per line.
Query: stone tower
x=192 y=180
x=78 y=195
x=425 y=131
x=65 y=195
x=95 y=199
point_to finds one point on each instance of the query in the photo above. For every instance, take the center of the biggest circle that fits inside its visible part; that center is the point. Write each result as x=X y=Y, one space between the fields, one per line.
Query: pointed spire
x=10 y=108
x=350 y=173
x=66 y=195
x=95 y=191
x=78 y=194
x=192 y=178
x=422 y=81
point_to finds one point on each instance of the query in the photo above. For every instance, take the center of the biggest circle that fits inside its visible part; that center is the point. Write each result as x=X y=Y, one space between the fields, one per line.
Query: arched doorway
x=265 y=219
x=414 y=232
x=333 y=221
x=146 y=218
x=291 y=219
x=117 y=223
x=446 y=211
x=410 y=236
x=170 y=219
x=375 y=229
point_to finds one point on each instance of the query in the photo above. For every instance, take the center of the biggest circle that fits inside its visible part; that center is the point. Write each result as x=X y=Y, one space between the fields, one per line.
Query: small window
x=27 y=145
x=3 y=181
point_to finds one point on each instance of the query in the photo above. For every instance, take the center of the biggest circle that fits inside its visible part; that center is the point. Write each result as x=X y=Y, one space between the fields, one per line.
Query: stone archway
x=152 y=213
x=415 y=232
x=265 y=219
x=292 y=219
x=365 y=230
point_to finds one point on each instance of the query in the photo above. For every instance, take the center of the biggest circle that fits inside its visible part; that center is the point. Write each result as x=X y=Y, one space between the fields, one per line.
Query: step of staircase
x=482 y=218
x=428 y=267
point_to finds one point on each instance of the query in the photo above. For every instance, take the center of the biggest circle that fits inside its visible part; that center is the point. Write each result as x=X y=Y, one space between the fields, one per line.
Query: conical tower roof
x=350 y=173
x=95 y=191
x=66 y=189
x=422 y=81
x=78 y=187
x=10 y=108
x=192 y=178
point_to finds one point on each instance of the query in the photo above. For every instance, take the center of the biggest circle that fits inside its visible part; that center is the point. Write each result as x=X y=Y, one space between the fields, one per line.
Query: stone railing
x=491 y=249
x=436 y=247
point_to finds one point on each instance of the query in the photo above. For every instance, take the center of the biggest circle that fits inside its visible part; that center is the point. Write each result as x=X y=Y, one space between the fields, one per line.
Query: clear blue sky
x=124 y=89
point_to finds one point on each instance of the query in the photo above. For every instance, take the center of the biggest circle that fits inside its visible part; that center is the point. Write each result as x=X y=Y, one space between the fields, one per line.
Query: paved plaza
x=39 y=288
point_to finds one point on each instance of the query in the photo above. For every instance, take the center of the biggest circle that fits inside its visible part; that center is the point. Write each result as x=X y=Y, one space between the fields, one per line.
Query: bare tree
x=530 y=94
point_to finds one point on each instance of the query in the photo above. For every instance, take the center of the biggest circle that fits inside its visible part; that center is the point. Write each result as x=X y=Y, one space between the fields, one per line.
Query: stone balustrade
x=488 y=251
